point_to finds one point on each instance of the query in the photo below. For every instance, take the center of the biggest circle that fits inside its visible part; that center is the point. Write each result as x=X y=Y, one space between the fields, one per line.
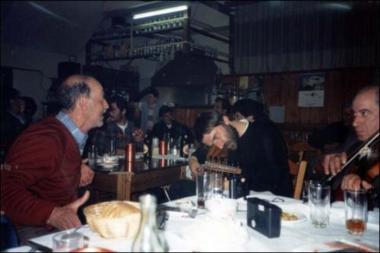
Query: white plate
x=112 y=159
x=108 y=165
x=300 y=218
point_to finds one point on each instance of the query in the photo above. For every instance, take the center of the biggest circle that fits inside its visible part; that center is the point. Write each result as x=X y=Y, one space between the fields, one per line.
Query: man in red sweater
x=45 y=169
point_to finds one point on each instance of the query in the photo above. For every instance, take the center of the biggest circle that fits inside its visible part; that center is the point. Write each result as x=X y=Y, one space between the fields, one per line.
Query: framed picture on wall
x=311 y=90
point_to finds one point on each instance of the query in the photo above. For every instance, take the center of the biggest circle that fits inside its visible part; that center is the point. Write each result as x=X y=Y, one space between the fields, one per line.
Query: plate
x=108 y=165
x=139 y=155
x=109 y=159
x=292 y=218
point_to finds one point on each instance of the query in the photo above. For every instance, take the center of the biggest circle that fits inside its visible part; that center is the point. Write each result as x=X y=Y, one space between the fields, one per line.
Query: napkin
x=215 y=234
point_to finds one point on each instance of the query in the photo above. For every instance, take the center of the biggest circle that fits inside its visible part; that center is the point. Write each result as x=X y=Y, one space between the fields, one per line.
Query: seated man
x=118 y=129
x=366 y=123
x=168 y=128
x=260 y=149
x=12 y=123
x=39 y=190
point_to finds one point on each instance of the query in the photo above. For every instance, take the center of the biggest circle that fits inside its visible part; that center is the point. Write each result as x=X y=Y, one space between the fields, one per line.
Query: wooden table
x=128 y=178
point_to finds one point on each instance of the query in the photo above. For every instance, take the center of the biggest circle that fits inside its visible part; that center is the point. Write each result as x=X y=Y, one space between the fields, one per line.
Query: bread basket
x=114 y=219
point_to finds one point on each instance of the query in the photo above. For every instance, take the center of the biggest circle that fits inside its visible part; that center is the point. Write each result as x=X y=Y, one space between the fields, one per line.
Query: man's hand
x=138 y=135
x=353 y=182
x=66 y=217
x=195 y=167
x=86 y=174
x=332 y=163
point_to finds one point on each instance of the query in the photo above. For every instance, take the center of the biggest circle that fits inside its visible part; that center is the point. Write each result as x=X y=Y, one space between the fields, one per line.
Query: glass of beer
x=355 y=211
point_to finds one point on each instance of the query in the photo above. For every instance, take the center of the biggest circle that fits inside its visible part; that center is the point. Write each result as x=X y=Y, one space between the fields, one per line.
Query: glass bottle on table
x=92 y=155
x=148 y=237
x=148 y=143
x=155 y=147
x=184 y=141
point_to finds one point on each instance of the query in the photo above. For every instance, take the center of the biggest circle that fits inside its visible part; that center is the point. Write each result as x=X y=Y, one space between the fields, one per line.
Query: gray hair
x=68 y=94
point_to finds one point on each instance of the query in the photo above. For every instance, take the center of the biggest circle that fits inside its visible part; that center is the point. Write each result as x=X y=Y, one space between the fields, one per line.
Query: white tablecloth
x=205 y=233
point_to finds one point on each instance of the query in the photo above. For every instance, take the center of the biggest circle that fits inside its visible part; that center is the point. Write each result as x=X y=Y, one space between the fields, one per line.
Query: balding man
x=365 y=107
x=39 y=190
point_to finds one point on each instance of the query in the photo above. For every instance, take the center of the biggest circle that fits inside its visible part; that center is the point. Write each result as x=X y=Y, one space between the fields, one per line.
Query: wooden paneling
x=188 y=115
x=281 y=89
x=340 y=88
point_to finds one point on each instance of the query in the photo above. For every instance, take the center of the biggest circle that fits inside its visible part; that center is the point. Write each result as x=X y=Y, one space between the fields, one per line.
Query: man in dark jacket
x=169 y=128
x=118 y=129
x=365 y=122
x=260 y=148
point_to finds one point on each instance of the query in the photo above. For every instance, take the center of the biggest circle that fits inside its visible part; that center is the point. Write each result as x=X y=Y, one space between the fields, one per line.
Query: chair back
x=302 y=149
x=297 y=170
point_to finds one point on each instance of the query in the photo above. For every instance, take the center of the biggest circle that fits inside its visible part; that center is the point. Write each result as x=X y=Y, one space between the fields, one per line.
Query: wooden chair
x=298 y=171
x=301 y=148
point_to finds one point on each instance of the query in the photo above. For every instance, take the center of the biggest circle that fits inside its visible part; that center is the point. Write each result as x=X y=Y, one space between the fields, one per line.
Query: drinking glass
x=216 y=185
x=202 y=184
x=112 y=147
x=355 y=211
x=68 y=241
x=319 y=204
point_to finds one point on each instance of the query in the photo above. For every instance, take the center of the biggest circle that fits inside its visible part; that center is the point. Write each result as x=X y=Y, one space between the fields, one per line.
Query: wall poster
x=311 y=90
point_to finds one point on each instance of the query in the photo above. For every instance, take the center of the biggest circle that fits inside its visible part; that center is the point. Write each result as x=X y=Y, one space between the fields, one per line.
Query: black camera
x=264 y=217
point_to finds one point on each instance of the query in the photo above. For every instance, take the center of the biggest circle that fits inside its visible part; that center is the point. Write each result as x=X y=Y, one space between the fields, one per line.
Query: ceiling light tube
x=160 y=12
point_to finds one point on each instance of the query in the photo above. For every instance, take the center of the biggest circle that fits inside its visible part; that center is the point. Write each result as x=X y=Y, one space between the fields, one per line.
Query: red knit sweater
x=45 y=171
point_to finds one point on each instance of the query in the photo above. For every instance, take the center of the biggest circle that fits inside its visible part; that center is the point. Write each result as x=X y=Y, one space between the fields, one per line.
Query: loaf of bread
x=114 y=219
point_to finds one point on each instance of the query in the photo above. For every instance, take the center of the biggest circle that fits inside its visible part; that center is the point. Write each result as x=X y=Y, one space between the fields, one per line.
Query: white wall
x=32 y=70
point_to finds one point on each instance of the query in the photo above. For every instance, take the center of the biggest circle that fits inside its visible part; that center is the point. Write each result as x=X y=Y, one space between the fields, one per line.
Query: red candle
x=163 y=148
x=130 y=152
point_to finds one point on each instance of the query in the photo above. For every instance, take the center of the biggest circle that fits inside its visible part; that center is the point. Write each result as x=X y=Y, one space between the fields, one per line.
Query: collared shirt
x=79 y=136
x=19 y=117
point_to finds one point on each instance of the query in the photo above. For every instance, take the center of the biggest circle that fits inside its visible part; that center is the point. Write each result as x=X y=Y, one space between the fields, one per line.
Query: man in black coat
x=259 y=147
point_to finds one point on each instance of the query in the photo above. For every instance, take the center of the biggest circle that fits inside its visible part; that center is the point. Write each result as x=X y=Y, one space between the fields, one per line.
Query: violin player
x=365 y=107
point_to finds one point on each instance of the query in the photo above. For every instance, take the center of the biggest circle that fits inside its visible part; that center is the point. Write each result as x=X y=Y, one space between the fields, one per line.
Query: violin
x=372 y=173
x=367 y=149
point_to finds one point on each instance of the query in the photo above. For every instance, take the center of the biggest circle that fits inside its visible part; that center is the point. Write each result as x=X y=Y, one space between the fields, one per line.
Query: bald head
x=366 y=112
x=372 y=91
x=82 y=98
x=72 y=88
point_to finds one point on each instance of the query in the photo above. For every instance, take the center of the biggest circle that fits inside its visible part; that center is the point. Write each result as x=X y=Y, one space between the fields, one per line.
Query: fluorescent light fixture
x=338 y=6
x=160 y=12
